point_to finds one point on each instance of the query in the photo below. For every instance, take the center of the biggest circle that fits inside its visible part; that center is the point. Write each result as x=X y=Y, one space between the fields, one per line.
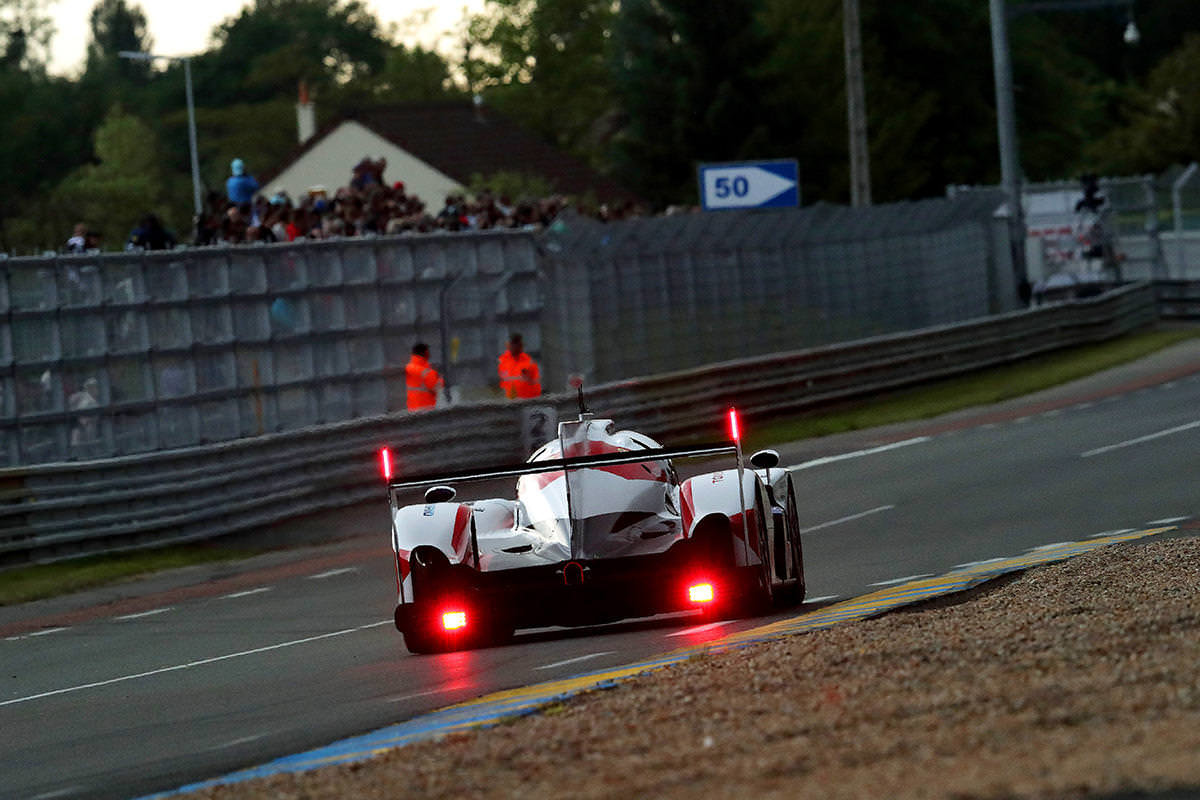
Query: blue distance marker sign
x=750 y=184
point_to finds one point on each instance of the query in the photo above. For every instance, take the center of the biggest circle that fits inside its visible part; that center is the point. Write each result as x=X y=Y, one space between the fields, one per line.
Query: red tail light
x=701 y=593
x=385 y=463
x=454 y=620
x=735 y=427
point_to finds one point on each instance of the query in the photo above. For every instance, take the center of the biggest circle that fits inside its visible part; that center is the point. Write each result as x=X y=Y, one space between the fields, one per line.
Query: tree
x=546 y=63
x=409 y=75
x=1160 y=123
x=115 y=27
x=685 y=78
x=268 y=49
x=25 y=33
x=930 y=96
x=127 y=181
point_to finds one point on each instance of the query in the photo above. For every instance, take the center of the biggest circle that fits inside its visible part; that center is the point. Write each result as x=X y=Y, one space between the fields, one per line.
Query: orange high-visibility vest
x=519 y=376
x=422 y=381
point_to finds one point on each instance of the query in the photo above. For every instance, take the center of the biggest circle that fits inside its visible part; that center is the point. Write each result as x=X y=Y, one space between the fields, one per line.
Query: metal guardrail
x=692 y=402
x=1178 y=299
x=53 y=512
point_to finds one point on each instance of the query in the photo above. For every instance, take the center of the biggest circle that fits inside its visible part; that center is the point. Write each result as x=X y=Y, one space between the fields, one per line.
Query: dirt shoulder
x=1072 y=680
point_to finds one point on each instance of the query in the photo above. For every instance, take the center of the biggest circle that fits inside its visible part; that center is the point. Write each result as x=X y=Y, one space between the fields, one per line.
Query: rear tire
x=420 y=643
x=759 y=595
x=797 y=589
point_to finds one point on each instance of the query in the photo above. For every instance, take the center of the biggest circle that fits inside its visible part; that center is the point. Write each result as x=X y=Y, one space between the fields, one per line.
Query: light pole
x=1006 y=118
x=134 y=55
x=856 y=107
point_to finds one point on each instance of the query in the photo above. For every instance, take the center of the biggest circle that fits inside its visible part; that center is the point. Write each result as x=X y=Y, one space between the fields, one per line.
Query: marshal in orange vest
x=520 y=377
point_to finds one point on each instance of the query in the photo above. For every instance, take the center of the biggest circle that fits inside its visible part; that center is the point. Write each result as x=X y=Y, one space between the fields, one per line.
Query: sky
x=181 y=27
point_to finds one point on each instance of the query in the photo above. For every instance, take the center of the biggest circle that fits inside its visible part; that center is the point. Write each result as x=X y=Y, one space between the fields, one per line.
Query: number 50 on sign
x=750 y=184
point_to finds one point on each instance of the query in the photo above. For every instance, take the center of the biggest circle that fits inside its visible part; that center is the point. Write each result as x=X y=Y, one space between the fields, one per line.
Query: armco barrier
x=1178 y=299
x=58 y=511
x=692 y=402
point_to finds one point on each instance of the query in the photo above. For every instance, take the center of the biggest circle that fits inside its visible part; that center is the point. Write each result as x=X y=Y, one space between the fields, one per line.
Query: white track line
x=1140 y=439
x=898 y=581
x=701 y=628
x=46 y=632
x=70 y=791
x=980 y=563
x=236 y=742
x=191 y=664
x=817 y=462
x=1111 y=533
x=331 y=573
x=246 y=593
x=1167 y=521
x=415 y=695
x=576 y=660
x=822 y=598
x=145 y=613
x=850 y=518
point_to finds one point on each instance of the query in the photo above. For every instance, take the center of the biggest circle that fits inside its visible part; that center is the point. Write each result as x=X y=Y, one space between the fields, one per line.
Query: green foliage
x=412 y=75
x=516 y=186
x=643 y=89
x=261 y=134
x=684 y=75
x=24 y=584
x=1162 y=121
x=546 y=63
x=38 y=146
x=268 y=49
x=117 y=27
x=25 y=32
x=409 y=75
x=128 y=181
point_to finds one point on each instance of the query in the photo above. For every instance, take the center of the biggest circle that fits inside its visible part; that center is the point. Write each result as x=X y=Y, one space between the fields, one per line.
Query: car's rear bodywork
x=601 y=528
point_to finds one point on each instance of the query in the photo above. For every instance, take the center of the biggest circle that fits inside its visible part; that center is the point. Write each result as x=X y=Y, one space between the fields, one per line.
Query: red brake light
x=701 y=593
x=735 y=427
x=454 y=620
x=385 y=463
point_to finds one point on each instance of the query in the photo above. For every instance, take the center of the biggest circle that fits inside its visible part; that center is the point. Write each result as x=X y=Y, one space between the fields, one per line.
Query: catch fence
x=655 y=295
x=112 y=355
x=115 y=355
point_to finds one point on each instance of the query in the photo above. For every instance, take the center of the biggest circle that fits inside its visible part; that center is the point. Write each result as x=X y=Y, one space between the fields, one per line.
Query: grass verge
x=989 y=386
x=22 y=584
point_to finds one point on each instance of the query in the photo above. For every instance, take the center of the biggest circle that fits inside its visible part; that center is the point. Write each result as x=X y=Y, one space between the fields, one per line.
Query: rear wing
x=733 y=447
x=553 y=464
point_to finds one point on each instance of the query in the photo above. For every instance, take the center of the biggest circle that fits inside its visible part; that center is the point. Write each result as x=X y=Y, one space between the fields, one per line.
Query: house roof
x=461 y=140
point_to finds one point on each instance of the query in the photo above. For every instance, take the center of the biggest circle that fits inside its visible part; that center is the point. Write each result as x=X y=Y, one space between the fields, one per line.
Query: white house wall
x=330 y=163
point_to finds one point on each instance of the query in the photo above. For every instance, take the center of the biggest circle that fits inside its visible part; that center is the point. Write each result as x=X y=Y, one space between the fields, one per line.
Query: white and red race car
x=602 y=528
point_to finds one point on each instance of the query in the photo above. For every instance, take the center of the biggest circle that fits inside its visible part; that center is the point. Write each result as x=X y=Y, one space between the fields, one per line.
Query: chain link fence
x=104 y=356
x=647 y=296
x=1134 y=235
x=112 y=355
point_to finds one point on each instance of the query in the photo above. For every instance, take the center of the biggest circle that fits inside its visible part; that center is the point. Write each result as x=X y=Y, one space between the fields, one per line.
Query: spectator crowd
x=367 y=205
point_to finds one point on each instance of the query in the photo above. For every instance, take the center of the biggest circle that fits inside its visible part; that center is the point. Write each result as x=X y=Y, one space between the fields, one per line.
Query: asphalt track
x=204 y=671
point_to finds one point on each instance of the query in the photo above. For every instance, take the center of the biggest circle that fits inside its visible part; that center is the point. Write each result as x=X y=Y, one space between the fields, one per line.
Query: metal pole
x=1177 y=204
x=1006 y=128
x=856 y=107
x=191 y=108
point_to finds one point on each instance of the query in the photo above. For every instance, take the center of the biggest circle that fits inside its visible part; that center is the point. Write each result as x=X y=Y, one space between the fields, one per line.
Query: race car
x=602 y=528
